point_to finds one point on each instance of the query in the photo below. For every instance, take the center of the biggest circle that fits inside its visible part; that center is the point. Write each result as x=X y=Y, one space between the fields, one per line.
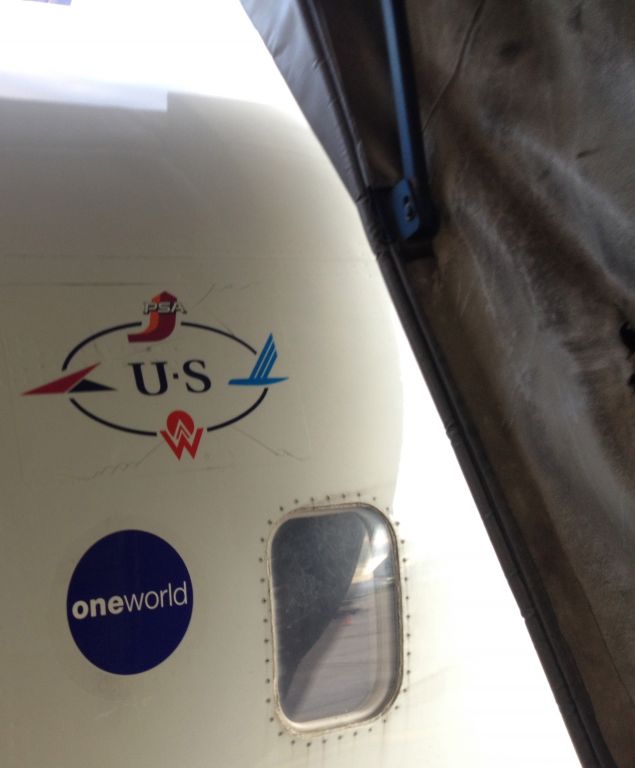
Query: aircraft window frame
x=365 y=529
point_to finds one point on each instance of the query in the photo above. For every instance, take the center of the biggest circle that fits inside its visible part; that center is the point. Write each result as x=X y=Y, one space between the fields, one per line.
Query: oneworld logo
x=129 y=602
x=166 y=376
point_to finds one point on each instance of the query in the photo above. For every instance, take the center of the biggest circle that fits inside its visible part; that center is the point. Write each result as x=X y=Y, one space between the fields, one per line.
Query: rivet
x=339 y=737
x=280 y=733
x=282 y=509
x=267 y=701
x=262 y=581
x=260 y=560
x=267 y=681
x=265 y=621
x=264 y=600
x=266 y=639
x=295 y=501
x=308 y=744
x=397 y=522
x=269 y=522
x=271 y=719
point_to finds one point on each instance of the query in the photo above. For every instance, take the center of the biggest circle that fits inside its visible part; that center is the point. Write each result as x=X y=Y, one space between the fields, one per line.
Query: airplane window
x=336 y=616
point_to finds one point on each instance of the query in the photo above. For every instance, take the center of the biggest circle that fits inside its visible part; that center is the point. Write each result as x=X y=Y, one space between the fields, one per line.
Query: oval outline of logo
x=147 y=433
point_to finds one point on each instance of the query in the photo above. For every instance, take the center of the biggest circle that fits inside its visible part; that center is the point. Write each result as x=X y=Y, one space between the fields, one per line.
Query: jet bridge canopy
x=520 y=307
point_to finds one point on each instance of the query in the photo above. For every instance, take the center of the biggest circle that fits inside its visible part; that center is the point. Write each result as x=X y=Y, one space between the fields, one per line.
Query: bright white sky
x=130 y=53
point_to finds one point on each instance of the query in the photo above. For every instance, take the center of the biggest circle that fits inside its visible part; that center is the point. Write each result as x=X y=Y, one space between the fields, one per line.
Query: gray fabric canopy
x=520 y=307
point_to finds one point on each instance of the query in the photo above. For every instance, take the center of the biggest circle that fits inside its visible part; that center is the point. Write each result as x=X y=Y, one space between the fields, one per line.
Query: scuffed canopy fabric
x=521 y=312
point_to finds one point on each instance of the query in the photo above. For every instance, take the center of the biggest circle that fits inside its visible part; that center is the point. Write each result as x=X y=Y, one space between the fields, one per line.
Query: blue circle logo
x=129 y=602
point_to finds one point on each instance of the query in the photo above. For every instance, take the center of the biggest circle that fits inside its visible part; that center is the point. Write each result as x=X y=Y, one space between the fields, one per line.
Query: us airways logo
x=165 y=376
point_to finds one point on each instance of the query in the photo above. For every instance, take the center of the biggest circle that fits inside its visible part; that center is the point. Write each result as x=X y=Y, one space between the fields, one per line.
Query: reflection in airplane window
x=336 y=608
